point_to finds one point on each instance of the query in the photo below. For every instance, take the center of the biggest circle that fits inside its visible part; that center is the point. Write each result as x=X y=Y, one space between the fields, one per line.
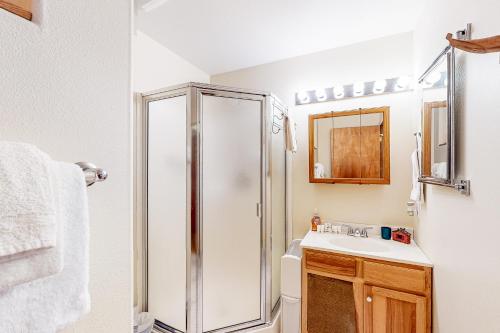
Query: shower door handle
x=259 y=210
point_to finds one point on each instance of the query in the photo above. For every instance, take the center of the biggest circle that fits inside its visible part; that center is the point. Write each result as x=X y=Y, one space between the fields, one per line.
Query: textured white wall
x=65 y=86
x=381 y=58
x=459 y=234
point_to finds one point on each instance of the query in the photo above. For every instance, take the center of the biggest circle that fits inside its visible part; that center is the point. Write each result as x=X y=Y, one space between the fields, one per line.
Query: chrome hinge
x=465 y=34
x=462 y=186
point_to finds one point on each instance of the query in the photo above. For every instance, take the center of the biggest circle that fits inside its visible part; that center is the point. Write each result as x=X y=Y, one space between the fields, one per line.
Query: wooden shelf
x=482 y=45
x=19 y=7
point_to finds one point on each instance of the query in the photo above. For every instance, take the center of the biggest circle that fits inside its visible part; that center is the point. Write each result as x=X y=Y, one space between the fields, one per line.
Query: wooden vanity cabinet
x=349 y=294
x=388 y=310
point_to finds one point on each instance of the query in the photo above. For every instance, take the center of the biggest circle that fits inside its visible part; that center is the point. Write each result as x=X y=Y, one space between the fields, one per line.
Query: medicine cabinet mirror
x=437 y=88
x=350 y=147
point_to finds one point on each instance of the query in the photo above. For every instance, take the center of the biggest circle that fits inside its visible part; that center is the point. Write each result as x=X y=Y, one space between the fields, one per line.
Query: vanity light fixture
x=338 y=91
x=379 y=86
x=303 y=97
x=321 y=95
x=402 y=83
x=357 y=89
x=432 y=79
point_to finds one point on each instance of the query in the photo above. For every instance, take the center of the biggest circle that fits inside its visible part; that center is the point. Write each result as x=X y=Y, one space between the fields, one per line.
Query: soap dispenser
x=315 y=221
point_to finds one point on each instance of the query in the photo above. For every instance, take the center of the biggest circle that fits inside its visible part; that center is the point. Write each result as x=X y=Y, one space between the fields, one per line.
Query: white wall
x=155 y=66
x=382 y=58
x=65 y=86
x=460 y=234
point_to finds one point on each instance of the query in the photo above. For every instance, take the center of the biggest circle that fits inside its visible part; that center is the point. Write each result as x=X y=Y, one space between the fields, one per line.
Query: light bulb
x=338 y=91
x=431 y=79
x=402 y=83
x=434 y=77
x=320 y=95
x=358 y=88
x=303 y=97
x=379 y=86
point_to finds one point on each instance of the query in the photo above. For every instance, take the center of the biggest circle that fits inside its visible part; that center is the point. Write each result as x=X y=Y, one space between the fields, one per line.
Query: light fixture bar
x=360 y=89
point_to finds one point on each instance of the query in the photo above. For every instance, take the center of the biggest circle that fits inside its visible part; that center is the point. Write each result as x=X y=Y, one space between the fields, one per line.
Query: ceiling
x=224 y=35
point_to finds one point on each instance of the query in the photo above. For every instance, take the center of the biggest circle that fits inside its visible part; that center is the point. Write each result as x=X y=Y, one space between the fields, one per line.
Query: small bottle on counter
x=315 y=221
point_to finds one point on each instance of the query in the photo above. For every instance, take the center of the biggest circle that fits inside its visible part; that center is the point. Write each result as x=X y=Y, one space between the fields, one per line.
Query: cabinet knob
x=369 y=299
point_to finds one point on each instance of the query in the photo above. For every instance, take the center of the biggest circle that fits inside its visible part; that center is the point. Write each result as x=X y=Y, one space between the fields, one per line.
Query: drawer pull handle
x=369 y=299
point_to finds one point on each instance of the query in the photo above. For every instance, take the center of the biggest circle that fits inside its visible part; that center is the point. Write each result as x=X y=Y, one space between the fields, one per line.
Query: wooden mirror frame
x=386 y=179
x=426 y=134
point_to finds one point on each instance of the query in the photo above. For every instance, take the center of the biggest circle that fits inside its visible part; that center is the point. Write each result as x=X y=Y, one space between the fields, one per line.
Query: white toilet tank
x=291 y=288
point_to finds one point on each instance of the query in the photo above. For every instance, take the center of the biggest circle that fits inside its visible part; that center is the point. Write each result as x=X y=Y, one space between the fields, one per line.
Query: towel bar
x=92 y=173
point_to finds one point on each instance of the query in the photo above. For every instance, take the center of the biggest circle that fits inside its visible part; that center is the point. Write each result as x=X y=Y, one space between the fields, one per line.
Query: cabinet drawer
x=331 y=263
x=394 y=276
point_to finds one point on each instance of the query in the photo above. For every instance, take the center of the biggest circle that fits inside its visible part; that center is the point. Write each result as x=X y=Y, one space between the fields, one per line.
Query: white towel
x=28 y=266
x=319 y=170
x=27 y=216
x=416 y=185
x=291 y=135
x=50 y=304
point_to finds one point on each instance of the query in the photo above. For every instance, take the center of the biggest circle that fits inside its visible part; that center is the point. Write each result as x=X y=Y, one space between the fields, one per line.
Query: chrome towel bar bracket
x=92 y=173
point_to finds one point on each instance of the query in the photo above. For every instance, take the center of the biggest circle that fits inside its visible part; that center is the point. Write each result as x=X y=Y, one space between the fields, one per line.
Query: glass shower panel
x=231 y=241
x=278 y=206
x=167 y=211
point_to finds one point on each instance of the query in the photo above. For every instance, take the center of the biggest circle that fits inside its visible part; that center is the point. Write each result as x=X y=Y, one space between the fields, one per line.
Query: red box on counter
x=401 y=235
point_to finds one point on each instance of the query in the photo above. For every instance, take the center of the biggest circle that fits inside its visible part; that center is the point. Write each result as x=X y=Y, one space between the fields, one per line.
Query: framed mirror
x=437 y=90
x=350 y=147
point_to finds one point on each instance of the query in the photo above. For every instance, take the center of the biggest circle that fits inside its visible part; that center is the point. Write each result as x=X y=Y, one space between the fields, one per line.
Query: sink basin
x=359 y=244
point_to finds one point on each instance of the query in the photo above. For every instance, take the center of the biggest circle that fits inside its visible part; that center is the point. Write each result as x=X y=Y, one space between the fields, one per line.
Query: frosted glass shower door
x=167 y=211
x=231 y=223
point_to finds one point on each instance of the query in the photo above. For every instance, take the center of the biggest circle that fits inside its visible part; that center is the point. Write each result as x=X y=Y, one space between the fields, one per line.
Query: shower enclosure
x=214 y=187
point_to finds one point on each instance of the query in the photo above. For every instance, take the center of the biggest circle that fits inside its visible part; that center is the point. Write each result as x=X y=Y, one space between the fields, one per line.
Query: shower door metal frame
x=157 y=95
x=194 y=256
x=264 y=170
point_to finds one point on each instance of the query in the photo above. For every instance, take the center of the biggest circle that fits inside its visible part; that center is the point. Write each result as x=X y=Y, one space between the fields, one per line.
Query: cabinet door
x=390 y=311
x=330 y=305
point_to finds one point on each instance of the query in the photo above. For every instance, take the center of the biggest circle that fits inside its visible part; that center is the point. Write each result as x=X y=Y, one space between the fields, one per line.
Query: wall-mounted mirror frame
x=447 y=176
x=428 y=108
x=385 y=147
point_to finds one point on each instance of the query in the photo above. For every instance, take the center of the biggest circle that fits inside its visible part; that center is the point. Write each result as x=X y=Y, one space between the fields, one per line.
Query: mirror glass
x=436 y=136
x=337 y=147
x=349 y=147
x=371 y=147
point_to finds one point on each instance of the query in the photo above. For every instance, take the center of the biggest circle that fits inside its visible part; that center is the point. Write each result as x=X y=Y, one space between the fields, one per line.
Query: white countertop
x=372 y=247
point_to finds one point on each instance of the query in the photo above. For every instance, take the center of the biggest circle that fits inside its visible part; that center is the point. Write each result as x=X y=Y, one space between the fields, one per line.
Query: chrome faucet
x=357 y=232
x=350 y=230
x=364 y=232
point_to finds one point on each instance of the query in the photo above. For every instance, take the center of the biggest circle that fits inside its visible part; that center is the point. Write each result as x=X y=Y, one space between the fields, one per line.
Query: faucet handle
x=350 y=231
x=364 y=231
